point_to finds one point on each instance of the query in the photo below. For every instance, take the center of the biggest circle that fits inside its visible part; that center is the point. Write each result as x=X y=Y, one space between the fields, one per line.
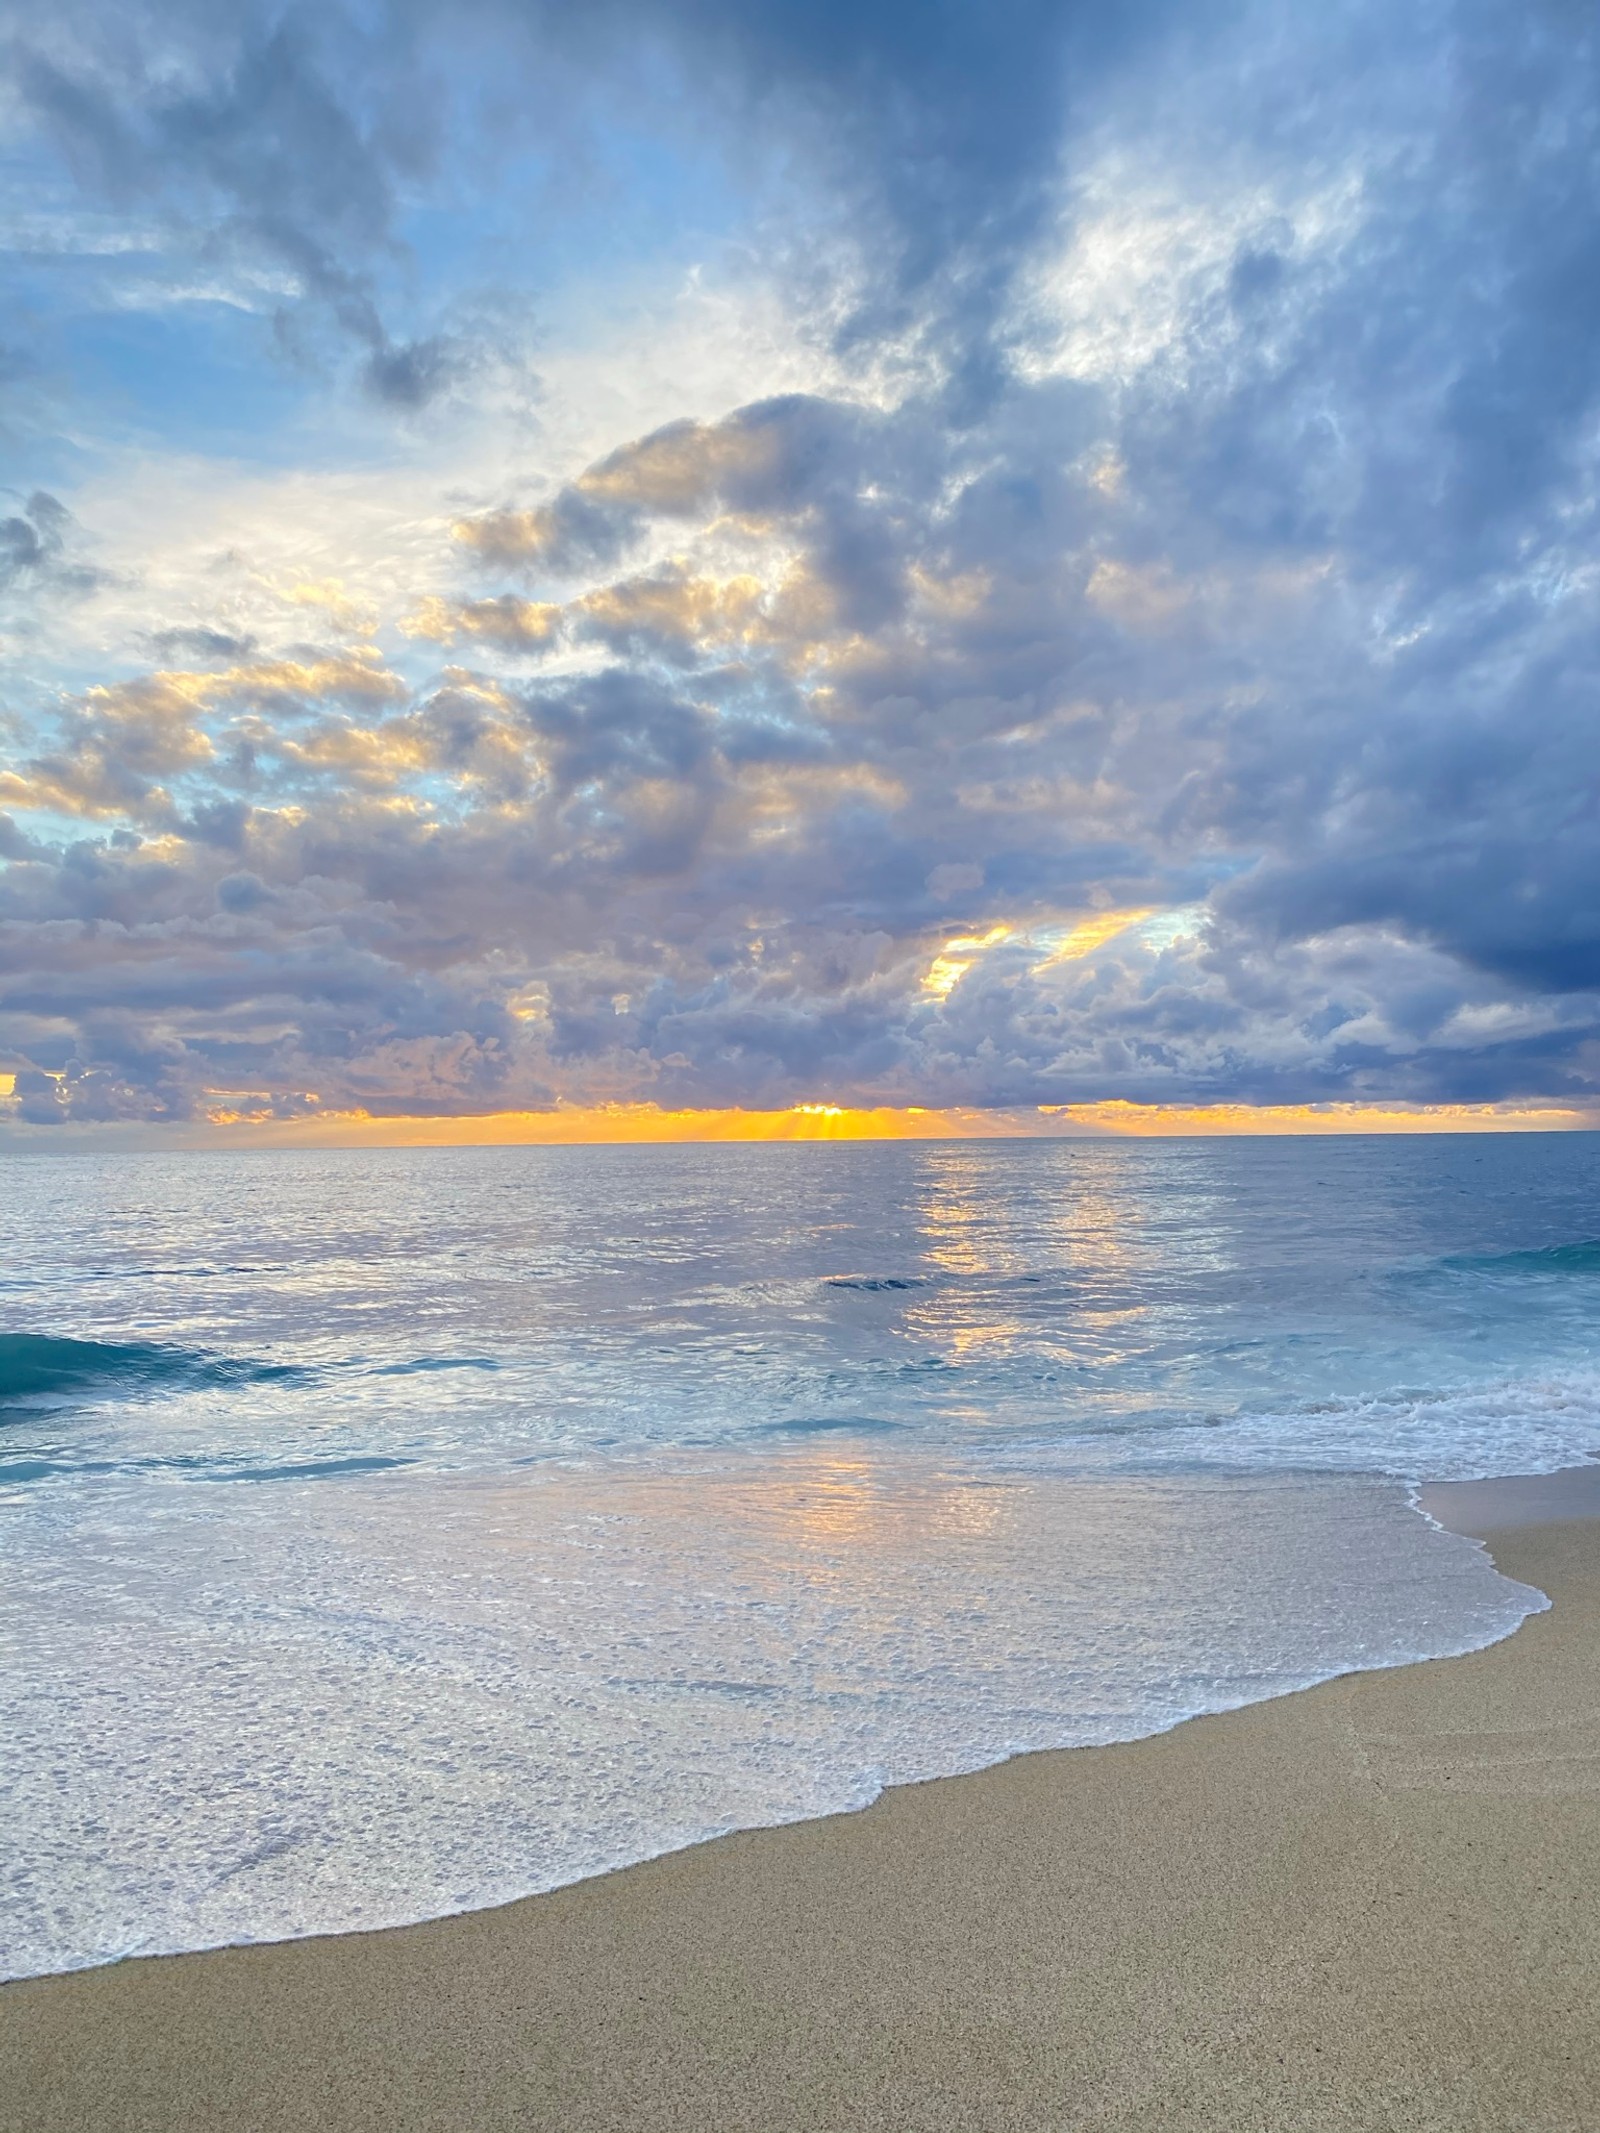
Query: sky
x=771 y=568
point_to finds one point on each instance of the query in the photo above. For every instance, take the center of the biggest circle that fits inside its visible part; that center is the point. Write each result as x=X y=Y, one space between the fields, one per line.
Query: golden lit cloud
x=674 y=605
x=779 y=800
x=680 y=466
x=673 y=473
x=1146 y=600
x=957 y=957
x=1068 y=945
x=357 y=674
x=1092 y=933
x=508 y=624
x=329 y=595
x=958 y=597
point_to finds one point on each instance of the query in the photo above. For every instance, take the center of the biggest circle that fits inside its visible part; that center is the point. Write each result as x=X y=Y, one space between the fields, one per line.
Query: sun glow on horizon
x=643 y=1124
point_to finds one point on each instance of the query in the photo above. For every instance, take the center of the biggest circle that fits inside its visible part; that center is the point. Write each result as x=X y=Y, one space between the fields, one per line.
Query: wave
x=1580 y=1258
x=314 y=1469
x=421 y=1365
x=41 y=1366
x=1507 y=1425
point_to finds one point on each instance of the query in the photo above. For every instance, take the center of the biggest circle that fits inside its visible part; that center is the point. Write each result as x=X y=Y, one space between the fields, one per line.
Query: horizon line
x=644 y=1124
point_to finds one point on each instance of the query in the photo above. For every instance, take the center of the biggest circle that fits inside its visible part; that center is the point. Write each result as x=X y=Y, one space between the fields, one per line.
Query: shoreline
x=1184 y=1930
x=1375 y=1582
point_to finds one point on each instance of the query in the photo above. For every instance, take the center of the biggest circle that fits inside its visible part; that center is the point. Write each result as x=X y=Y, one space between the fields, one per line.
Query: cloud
x=407 y=375
x=284 y=155
x=239 y=129
x=1199 y=712
x=772 y=459
x=505 y=622
x=196 y=641
x=34 y=544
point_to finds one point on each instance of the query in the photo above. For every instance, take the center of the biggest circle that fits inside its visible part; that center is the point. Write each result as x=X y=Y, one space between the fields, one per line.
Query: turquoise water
x=393 y=1532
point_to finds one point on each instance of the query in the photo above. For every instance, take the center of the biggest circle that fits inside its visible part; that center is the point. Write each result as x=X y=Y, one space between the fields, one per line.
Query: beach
x=1370 y=1904
x=799 y=1068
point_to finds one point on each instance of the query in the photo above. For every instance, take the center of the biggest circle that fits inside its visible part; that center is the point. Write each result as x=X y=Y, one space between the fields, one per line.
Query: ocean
x=396 y=1532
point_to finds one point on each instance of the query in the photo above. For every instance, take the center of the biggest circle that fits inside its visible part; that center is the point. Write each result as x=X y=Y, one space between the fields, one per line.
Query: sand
x=1375 y=1904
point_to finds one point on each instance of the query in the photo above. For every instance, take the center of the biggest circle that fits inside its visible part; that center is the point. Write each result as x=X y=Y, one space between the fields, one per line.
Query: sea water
x=390 y=1533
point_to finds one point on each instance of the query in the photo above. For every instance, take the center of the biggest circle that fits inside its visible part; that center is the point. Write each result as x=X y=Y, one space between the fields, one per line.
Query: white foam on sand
x=314 y=1709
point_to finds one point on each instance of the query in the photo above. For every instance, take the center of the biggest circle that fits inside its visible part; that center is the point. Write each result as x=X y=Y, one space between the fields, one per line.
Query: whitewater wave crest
x=1509 y=1425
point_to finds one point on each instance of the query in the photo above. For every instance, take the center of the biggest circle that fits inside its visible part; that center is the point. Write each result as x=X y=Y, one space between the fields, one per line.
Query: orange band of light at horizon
x=640 y=1123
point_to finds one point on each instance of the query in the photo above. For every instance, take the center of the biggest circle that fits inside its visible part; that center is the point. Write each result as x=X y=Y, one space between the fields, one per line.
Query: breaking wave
x=41 y=1366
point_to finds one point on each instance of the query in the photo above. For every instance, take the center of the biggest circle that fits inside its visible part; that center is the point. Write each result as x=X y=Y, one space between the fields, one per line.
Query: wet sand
x=1375 y=1904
